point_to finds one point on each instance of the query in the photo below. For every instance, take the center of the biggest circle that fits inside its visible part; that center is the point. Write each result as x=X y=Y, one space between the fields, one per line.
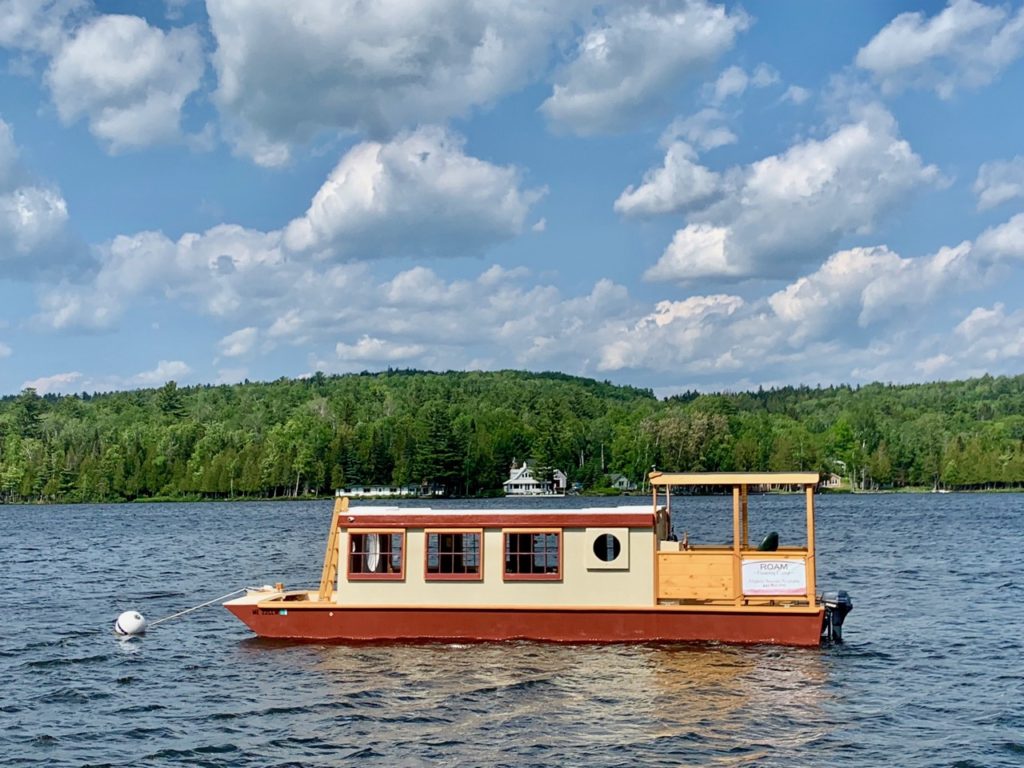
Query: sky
x=673 y=195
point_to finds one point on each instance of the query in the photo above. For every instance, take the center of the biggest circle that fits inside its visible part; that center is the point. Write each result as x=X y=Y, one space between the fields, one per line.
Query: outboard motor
x=837 y=605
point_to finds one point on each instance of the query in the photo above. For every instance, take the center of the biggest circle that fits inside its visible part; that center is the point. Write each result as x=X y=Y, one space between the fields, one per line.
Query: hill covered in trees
x=461 y=431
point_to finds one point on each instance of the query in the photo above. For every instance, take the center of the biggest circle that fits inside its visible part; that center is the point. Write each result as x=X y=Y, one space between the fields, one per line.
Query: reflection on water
x=678 y=703
x=930 y=674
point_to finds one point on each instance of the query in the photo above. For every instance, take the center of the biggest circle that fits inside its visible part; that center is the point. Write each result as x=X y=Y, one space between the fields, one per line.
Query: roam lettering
x=773 y=567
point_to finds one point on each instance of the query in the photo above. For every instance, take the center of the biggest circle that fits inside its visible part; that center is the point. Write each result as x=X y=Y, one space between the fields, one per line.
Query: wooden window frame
x=386 y=576
x=559 y=537
x=428 y=576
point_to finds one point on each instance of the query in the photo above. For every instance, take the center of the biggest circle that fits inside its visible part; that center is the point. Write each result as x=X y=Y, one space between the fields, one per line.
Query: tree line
x=460 y=432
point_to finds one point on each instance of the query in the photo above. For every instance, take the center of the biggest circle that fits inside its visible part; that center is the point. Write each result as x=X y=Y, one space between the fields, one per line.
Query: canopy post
x=744 y=499
x=737 y=573
x=811 y=560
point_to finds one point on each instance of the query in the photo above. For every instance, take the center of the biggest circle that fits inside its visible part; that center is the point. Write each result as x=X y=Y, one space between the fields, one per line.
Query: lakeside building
x=363 y=491
x=522 y=482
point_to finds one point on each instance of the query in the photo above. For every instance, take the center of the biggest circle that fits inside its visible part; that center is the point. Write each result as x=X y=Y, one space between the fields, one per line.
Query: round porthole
x=607 y=547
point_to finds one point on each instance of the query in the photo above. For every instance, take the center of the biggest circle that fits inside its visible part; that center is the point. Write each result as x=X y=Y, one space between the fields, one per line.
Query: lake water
x=932 y=672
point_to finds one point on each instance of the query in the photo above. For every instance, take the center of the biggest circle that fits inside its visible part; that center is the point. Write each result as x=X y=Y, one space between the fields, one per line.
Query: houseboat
x=621 y=574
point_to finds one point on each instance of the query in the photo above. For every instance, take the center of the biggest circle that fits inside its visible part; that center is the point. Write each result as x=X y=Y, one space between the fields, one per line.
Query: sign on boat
x=587 y=575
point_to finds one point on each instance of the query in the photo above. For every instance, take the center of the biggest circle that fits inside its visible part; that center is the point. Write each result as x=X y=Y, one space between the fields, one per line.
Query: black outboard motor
x=837 y=605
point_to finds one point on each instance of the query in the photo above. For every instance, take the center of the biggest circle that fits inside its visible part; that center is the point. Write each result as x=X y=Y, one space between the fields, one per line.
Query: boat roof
x=425 y=517
x=733 y=478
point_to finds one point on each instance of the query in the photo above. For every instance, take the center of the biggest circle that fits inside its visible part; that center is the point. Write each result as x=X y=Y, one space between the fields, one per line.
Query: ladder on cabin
x=330 y=572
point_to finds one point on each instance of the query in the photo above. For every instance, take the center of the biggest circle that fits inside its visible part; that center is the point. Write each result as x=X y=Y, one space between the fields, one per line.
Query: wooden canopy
x=733 y=478
x=731 y=587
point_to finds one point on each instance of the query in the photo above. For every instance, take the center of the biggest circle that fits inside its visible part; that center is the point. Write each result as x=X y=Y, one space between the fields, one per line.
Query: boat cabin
x=393 y=556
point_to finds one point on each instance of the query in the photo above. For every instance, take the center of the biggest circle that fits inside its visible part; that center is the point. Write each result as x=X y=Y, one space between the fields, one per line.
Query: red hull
x=597 y=625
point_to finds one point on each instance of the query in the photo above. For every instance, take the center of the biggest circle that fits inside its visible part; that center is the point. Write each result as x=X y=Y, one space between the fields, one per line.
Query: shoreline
x=311 y=497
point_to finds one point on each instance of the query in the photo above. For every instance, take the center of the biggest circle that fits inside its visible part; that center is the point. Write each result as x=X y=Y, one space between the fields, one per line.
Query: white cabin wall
x=579 y=586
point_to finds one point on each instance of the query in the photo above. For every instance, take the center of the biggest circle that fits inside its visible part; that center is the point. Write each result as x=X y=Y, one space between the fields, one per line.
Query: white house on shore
x=621 y=483
x=522 y=482
x=831 y=480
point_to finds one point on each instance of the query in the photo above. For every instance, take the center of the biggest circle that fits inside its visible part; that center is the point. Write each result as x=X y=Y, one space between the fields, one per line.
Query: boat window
x=454 y=556
x=607 y=547
x=533 y=555
x=376 y=555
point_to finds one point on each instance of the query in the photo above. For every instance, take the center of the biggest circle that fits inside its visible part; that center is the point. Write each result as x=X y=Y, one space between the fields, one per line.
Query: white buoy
x=130 y=623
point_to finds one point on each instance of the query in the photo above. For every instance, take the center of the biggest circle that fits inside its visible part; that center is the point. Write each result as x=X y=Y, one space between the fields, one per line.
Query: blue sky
x=673 y=195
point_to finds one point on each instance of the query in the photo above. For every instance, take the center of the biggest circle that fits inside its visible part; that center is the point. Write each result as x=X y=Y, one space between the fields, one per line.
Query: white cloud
x=888 y=313
x=217 y=272
x=782 y=212
x=764 y=76
x=934 y=364
x=897 y=318
x=859 y=287
x=1004 y=241
x=59 y=382
x=817 y=301
x=796 y=95
x=75 y=381
x=706 y=130
x=37 y=25
x=679 y=184
x=967 y=44
x=173 y=9
x=628 y=64
x=993 y=337
x=674 y=332
x=862 y=292
x=129 y=80
x=166 y=370
x=34 y=237
x=734 y=81
x=495 y=320
x=287 y=71
x=540 y=225
x=239 y=343
x=375 y=350
x=420 y=286
x=232 y=375
x=30 y=219
x=498 y=275
x=420 y=194
x=5 y=350
x=8 y=157
x=981 y=322
x=697 y=250
x=999 y=182
x=919 y=282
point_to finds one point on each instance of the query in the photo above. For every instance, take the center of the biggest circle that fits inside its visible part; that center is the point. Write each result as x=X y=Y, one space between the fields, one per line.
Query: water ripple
x=929 y=675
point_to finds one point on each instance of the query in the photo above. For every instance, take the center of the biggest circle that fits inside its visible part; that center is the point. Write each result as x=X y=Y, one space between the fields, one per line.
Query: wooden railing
x=720 y=575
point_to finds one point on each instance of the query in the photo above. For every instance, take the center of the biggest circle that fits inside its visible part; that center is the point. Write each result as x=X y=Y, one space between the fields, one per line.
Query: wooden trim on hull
x=334 y=623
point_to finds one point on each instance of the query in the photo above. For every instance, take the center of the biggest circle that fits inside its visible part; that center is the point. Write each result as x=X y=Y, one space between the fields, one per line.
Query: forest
x=457 y=433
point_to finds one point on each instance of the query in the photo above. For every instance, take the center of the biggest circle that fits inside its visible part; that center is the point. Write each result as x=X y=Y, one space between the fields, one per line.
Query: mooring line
x=197 y=607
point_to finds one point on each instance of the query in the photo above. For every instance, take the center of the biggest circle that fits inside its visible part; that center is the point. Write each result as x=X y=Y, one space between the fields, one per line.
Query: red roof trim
x=499 y=520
